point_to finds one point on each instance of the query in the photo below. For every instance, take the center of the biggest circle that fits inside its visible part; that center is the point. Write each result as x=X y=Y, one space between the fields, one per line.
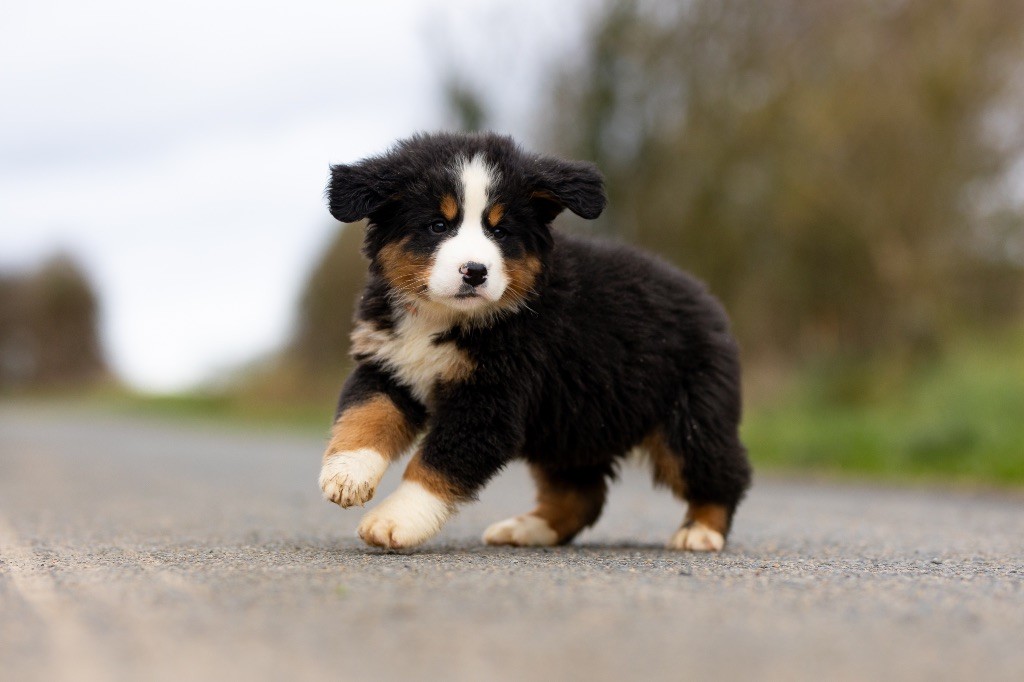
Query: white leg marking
x=351 y=477
x=523 y=531
x=697 y=538
x=407 y=517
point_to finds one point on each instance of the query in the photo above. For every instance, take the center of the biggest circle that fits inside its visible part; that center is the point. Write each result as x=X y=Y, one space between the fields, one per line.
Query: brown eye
x=438 y=227
x=499 y=233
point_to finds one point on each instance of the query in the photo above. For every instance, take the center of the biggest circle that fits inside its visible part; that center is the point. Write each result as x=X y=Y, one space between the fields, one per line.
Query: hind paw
x=697 y=537
x=526 y=530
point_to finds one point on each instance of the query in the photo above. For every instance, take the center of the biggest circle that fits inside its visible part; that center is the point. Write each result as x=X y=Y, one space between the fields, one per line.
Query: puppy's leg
x=365 y=440
x=567 y=502
x=711 y=482
x=466 y=445
x=412 y=514
x=697 y=450
x=376 y=424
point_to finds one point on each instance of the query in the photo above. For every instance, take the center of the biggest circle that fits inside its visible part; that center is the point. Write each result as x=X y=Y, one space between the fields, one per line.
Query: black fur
x=611 y=346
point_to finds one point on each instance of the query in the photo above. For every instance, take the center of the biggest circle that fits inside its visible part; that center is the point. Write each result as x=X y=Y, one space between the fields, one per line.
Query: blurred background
x=848 y=177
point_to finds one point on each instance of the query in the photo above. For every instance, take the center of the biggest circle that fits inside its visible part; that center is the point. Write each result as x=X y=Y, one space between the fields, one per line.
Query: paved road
x=140 y=549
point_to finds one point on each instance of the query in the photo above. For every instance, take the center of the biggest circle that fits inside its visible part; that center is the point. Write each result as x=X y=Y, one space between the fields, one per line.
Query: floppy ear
x=575 y=185
x=355 y=191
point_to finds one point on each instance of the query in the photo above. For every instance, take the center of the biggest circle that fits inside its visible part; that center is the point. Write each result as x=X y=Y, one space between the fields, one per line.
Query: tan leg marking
x=376 y=423
x=667 y=465
x=561 y=513
x=412 y=514
x=706 y=525
x=431 y=480
x=366 y=438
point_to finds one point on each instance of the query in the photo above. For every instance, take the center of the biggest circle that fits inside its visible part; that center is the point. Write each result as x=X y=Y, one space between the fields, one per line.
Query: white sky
x=180 y=151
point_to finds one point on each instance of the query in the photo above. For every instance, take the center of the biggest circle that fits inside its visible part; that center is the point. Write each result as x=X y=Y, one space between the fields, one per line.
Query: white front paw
x=350 y=478
x=409 y=516
x=522 y=531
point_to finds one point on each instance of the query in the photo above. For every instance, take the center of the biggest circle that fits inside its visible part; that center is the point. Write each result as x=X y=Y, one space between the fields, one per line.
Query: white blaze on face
x=470 y=244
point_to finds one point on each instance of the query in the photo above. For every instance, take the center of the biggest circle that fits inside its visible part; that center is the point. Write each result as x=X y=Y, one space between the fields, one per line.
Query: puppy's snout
x=473 y=274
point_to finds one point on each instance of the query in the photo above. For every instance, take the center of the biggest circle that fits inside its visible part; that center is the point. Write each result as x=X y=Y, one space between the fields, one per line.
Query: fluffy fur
x=492 y=338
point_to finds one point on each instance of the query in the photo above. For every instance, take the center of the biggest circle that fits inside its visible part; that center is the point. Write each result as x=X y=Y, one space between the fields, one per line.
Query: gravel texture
x=143 y=549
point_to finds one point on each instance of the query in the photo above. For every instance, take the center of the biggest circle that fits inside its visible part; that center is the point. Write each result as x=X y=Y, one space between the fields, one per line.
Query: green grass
x=243 y=410
x=957 y=419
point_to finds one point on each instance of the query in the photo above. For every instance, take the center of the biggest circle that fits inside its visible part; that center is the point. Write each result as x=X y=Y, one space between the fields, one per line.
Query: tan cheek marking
x=432 y=480
x=714 y=516
x=522 y=274
x=495 y=214
x=567 y=510
x=377 y=424
x=404 y=271
x=449 y=207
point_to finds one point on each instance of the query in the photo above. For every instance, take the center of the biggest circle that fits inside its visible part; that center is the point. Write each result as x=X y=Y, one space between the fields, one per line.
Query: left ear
x=575 y=185
x=357 y=190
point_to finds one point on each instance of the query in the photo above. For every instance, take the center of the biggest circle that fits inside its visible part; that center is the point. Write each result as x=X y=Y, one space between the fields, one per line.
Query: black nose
x=473 y=274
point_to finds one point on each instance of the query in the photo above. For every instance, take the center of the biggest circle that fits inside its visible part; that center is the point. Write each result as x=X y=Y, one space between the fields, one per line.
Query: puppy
x=483 y=336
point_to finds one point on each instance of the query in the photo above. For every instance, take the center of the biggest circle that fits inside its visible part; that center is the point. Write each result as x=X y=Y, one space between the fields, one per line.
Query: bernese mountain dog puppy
x=484 y=336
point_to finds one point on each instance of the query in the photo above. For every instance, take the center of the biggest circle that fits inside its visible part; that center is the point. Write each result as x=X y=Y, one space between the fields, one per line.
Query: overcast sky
x=180 y=151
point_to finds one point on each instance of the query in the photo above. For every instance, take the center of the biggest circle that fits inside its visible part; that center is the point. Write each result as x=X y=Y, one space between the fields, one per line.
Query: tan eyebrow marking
x=495 y=214
x=449 y=207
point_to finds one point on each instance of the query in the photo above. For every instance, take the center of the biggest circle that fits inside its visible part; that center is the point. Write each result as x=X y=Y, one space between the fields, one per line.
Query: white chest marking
x=412 y=356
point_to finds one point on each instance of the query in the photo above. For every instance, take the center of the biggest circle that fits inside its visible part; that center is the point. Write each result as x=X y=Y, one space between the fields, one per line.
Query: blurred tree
x=833 y=169
x=319 y=348
x=465 y=105
x=49 y=328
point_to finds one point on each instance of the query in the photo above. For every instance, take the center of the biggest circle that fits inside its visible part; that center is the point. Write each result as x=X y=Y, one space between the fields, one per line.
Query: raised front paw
x=526 y=530
x=350 y=478
x=406 y=518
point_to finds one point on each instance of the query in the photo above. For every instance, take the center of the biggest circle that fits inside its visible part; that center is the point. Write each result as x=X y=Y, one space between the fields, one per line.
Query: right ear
x=559 y=184
x=355 y=191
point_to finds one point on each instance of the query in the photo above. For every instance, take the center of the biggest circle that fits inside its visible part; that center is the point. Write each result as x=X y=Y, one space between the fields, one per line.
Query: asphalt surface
x=141 y=549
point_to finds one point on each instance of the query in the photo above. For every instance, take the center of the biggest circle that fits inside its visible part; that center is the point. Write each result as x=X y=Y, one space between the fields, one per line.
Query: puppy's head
x=462 y=221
